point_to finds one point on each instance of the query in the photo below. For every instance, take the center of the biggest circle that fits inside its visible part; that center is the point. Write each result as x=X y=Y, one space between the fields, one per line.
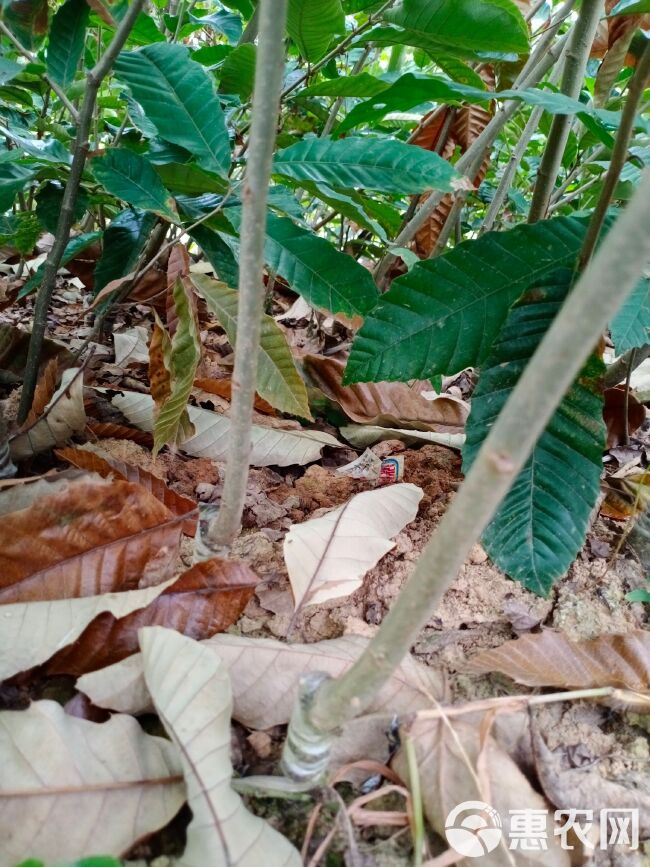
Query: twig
x=617 y=371
x=74 y=114
x=598 y=293
x=338 y=102
x=66 y=216
x=575 y=63
x=626 y=401
x=619 y=155
x=266 y=104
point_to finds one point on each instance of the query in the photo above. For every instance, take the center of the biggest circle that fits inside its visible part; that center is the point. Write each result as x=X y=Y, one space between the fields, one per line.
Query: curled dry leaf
x=265 y=677
x=191 y=691
x=71 y=788
x=178 y=268
x=271 y=446
x=89 y=538
x=549 y=658
x=223 y=388
x=45 y=388
x=614 y=415
x=363 y=436
x=109 y=466
x=111 y=430
x=63 y=416
x=387 y=404
x=206 y=599
x=131 y=345
x=449 y=755
x=327 y=557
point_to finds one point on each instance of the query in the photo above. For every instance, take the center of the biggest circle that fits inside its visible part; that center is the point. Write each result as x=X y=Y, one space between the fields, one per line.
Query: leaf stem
x=66 y=217
x=575 y=63
x=599 y=292
x=266 y=105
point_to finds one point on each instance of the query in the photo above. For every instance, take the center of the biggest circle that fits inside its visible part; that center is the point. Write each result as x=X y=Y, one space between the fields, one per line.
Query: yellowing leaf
x=191 y=691
x=71 y=788
x=327 y=557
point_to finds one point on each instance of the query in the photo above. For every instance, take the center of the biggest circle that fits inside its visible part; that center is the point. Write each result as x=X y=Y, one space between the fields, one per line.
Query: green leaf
x=47 y=150
x=541 y=525
x=48 y=205
x=218 y=254
x=630 y=7
x=631 y=325
x=345 y=204
x=386 y=165
x=123 y=241
x=178 y=97
x=444 y=315
x=172 y=425
x=237 y=72
x=478 y=25
x=189 y=180
x=314 y=269
x=27 y=20
x=312 y=26
x=412 y=90
x=9 y=70
x=278 y=380
x=458 y=71
x=361 y=85
x=66 y=41
x=21 y=231
x=391 y=35
x=13 y=180
x=223 y=22
x=74 y=246
x=130 y=177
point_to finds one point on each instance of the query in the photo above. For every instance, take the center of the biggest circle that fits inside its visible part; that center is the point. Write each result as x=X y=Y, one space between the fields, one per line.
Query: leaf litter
x=604 y=748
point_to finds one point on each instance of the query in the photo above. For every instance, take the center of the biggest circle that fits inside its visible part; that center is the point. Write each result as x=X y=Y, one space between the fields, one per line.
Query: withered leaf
x=614 y=415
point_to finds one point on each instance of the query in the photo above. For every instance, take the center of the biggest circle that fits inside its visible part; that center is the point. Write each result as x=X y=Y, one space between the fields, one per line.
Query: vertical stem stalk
x=577 y=55
x=266 y=104
x=66 y=217
x=599 y=292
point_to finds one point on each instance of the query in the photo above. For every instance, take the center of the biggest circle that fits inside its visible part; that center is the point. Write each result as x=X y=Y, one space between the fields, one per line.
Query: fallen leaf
x=265 y=678
x=63 y=416
x=270 y=446
x=44 y=392
x=458 y=762
x=206 y=599
x=363 y=436
x=614 y=415
x=387 y=404
x=191 y=691
x=90 y=538
x=550 y=658
x=131 y=345
x=14 y=345
x=32 y=632
x=627 y=496
x=110 y=430
x=223 y=388
x=71 y=788
x=109 y=466
x=327 y=557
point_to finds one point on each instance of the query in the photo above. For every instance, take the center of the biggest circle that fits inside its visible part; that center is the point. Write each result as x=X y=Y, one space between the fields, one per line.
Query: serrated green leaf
x=362 y=85
x=366 y=163
x=631 y=325
x=316 y=270
x=66 y=41
x=130 y=177
x=312 y=26
x=478 y=25
x=278 y=380
x=178 y=97
x=446 y=312
x=411 y=90
x=218 y=254
x=74 y=246
x=123 y=242
x=172 y=425
x=237 y=72
x=541 y=524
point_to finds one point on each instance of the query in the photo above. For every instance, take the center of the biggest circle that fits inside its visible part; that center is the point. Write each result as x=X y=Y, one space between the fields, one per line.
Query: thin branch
x=266 y=106
x=338 y=102
x=66 y=217
x=598 y=293
x=577 y=55
x=617 y=371
x=74 y=114
x=619 y=154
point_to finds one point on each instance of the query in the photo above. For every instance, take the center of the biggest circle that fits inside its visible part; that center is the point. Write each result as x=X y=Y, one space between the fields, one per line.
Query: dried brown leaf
x=91 y=538
x=614 y=415
x=109 y=466
x=551 y=659
x=45 y=388
x=109 y=430
x=206 y=599
x=223 y=388
x=178 y=267
x=387 y=404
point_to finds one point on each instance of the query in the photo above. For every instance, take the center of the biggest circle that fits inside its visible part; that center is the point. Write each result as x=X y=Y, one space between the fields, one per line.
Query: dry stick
x=619 y=155
x=577 y=55
x=266 y=106
x=599 y=292
x=74 y=114
x=617 y=371
x=535 y=69
x=66 y=217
